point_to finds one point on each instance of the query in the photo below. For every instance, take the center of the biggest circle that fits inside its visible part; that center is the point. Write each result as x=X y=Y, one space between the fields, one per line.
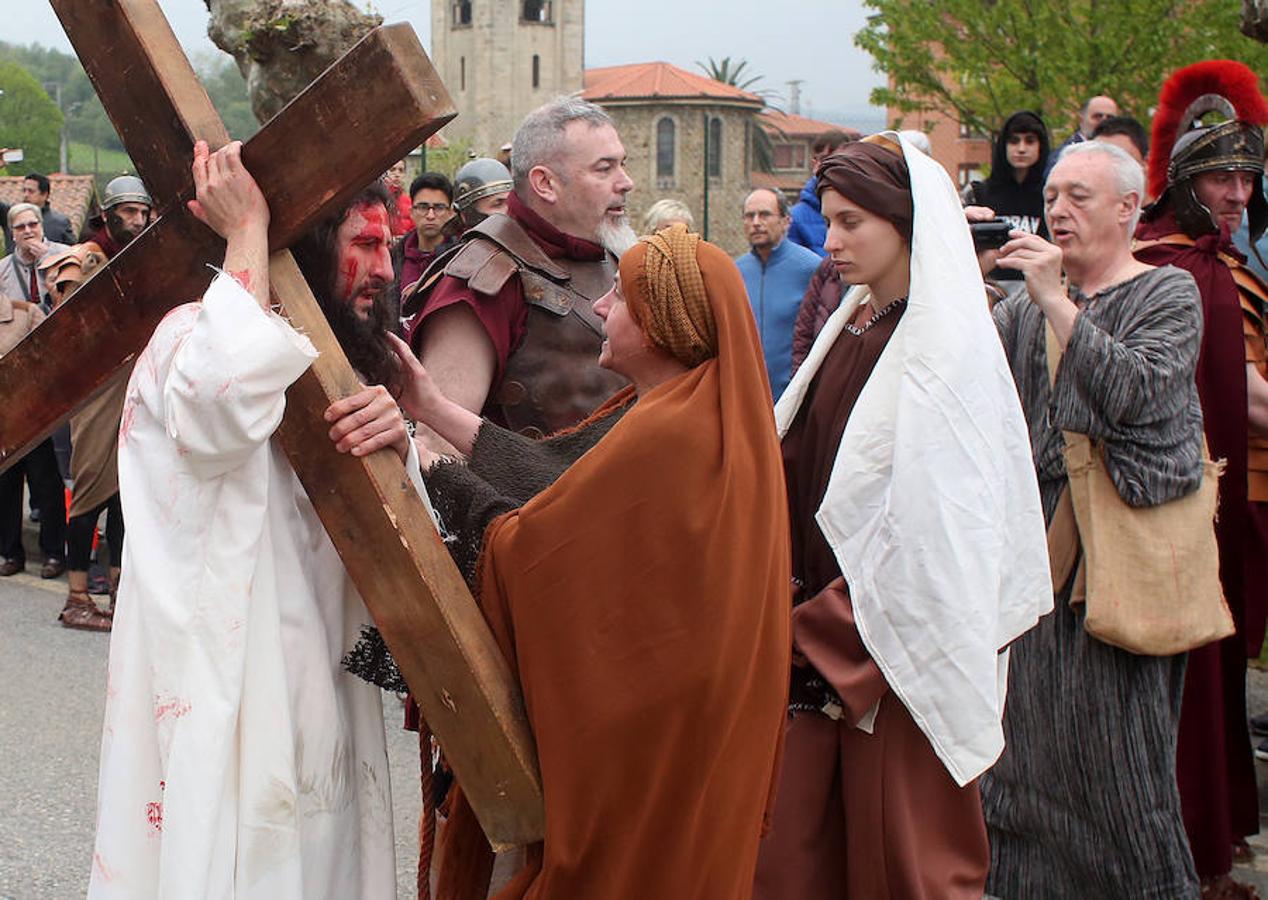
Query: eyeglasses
x=424 y=208
x=23 y=226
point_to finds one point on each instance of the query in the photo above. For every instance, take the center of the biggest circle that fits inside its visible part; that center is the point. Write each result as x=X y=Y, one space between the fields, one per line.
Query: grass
x=109 y=162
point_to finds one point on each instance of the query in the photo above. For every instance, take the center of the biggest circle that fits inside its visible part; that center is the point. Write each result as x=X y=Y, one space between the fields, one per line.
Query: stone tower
x=500 y=59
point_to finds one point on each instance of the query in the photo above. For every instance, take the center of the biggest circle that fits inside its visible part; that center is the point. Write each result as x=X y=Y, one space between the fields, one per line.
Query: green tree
x=982 y=60
x=228 y=92
x=28 y=120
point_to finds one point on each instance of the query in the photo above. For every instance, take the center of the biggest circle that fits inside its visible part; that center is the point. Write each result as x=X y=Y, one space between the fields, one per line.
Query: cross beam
x=381 y=99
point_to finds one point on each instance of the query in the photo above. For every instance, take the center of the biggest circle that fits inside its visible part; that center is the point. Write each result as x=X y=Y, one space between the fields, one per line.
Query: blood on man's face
x=363 y=257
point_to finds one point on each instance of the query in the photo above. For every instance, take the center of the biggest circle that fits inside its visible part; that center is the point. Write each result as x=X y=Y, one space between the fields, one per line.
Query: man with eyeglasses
x=776 y=273
x=431 y=206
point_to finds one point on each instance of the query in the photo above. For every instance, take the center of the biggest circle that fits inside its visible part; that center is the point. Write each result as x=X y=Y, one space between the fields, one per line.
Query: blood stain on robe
x=154 y=815
x=169 y=708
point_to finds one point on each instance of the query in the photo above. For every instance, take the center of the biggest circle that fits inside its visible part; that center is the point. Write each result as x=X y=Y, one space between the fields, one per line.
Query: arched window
x=462 y=12
x=665 y=139
x=537 y=71
x=536 y=11
x=715 y=148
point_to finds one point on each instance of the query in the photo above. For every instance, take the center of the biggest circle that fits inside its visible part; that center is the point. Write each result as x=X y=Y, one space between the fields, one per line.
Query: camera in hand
x=990 y=235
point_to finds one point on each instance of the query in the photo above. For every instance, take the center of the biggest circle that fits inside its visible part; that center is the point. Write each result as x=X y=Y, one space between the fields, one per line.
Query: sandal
x=1224 y=887
x=81 y=612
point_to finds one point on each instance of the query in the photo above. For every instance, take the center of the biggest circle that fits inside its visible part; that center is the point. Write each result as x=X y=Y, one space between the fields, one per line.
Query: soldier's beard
x=616 y=236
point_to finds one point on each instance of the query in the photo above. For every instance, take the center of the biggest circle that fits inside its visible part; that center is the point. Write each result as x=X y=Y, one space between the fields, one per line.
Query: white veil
x=932 y=509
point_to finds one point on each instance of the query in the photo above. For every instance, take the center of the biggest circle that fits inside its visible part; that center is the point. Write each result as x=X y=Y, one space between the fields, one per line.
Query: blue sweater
x=807 y=226
x=775 y=289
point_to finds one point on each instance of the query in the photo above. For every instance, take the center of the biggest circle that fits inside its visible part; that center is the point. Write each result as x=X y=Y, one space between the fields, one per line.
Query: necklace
x=876 y=316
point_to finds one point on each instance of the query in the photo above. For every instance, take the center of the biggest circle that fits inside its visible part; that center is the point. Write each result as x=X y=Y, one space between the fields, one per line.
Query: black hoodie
x=1021 y=204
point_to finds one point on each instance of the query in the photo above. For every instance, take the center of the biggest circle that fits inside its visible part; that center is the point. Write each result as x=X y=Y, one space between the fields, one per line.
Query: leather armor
x=552 y=379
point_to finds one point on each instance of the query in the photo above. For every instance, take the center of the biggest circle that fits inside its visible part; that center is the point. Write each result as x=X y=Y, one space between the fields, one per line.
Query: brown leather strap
x=511 y=237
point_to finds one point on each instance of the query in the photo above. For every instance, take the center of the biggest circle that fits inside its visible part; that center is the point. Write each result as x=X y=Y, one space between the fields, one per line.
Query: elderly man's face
x=1098 y=110
x=1225 y=194
x=589 y=181
x=764 y=225
x=1087 y=217
x=28 y=234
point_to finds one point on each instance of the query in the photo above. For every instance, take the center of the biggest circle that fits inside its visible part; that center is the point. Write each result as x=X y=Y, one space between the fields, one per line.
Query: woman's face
x=624 y=343
x=865 y=248
x=1022 y=150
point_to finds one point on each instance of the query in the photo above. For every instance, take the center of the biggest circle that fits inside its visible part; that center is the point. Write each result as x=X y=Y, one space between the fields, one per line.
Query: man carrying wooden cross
x=239 y=758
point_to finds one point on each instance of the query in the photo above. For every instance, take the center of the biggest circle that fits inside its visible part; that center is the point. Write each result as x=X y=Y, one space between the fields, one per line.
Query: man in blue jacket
x=807 y=227
x=776 y=273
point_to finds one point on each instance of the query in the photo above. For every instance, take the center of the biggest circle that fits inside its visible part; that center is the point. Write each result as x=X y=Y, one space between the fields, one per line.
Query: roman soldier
x=1207 y=172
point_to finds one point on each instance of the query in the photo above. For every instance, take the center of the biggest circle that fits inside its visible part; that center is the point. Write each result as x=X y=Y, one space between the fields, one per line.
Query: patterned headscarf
x=665 y=292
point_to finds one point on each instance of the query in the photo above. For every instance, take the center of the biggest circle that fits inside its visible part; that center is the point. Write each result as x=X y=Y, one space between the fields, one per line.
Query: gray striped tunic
x=1083 y=802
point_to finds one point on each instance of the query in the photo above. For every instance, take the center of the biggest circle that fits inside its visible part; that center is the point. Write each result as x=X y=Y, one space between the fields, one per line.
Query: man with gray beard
x=503 y=321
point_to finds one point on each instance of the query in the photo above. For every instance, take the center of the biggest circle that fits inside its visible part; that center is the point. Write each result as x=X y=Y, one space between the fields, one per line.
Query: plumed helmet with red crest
x=1184 y=147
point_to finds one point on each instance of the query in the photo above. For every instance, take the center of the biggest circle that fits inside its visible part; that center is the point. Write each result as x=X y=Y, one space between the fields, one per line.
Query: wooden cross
x=377 y=102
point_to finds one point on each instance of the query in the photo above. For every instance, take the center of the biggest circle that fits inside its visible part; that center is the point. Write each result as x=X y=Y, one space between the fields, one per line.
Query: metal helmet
x=125 y=189
x=1183 y=148
x=479 y=179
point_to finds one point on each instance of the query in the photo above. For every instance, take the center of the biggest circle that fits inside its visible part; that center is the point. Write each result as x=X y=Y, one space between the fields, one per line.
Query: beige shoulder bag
x=1149 y=576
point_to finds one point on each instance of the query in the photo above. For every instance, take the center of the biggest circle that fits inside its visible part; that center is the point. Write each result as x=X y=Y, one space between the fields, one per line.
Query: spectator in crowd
x=480 y=190
x=1014 y=190
x=1129 y=135
x=18 y=276
x=1096 y=720
x=93 y=463
x=822 y=298
x=431 y=206
x=776 y=274
x=126 y=209
x=806 y=226
x=35 y=189
x=19 y=314
x=666 y=212
x=399 y=211
x=4 y=225
x=1092 y=113
x=1207 y=180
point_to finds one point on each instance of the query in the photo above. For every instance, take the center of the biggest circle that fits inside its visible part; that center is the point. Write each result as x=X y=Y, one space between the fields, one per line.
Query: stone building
x=791 y=138
x=676 y=125
x=500 y=59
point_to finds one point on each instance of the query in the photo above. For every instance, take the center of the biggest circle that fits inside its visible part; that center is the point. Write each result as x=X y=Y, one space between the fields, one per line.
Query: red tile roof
x=794 y=126
x=658 y=80
x=70 y=195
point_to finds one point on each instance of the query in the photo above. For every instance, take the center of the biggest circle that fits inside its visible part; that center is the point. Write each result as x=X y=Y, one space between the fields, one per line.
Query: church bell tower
x=500 y=59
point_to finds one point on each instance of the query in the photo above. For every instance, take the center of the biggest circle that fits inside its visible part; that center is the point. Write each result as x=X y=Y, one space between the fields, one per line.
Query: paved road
x=50 y=729
x=52 y=681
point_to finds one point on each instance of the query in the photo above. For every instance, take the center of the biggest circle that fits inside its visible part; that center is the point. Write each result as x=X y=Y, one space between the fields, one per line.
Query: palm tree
x=733 y=74
x=727 y=73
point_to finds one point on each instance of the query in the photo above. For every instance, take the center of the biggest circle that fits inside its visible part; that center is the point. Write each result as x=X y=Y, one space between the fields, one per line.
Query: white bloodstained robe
x=239 y=760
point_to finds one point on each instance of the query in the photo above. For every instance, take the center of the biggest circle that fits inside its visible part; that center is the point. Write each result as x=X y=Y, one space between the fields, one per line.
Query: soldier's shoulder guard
x=482 y=264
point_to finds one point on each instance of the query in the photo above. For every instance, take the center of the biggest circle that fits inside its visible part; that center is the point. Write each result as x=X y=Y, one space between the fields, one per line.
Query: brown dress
x=857 y=815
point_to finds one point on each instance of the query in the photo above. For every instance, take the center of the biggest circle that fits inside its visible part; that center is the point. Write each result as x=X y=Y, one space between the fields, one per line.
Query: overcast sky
x=808 y=39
